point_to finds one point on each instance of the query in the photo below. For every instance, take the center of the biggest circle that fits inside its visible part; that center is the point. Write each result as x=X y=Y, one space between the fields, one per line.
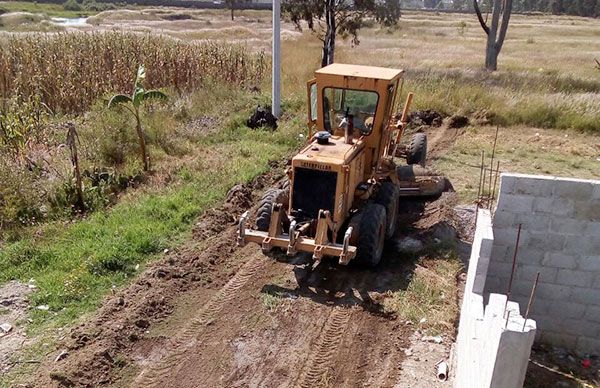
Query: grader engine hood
x=319 y=173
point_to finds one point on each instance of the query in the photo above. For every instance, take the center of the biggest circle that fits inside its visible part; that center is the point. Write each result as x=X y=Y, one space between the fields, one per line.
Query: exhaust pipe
x=349 y=130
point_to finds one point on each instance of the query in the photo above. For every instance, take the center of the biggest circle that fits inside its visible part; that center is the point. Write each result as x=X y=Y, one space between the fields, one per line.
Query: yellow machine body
x=330 y=180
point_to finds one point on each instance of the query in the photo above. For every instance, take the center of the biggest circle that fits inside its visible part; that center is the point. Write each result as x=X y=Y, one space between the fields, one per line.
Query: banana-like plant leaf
x=157 y=94
x=118 y=99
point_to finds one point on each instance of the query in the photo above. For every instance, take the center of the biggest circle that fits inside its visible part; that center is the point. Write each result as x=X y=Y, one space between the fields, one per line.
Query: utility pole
x=276 y=59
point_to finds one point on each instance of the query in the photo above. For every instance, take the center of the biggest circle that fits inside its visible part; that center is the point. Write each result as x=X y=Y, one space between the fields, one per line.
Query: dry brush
x=71 y=70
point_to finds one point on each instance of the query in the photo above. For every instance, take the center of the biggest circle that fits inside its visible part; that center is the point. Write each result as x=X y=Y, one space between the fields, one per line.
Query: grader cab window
x=358 y=103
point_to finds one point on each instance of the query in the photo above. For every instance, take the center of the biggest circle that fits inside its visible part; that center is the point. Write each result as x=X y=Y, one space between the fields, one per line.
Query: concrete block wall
x=560 y=238
x=491 y=350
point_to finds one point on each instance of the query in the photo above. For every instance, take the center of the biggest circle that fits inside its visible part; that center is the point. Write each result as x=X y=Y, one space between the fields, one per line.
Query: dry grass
x=71 y=70
x=431 y=294
x=520 y=149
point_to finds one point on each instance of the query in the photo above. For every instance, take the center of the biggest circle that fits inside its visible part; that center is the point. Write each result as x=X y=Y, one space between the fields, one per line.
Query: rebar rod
x=531 y=296
x=480 y=176
x=492 y=160
x=512 y=271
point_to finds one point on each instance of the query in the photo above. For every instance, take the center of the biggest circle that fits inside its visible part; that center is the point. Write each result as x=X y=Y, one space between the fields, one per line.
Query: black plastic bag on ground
x=262 y=117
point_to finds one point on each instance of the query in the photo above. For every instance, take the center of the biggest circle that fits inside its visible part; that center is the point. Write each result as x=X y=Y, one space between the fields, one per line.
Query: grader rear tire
x=371 y=235
x=417 y=150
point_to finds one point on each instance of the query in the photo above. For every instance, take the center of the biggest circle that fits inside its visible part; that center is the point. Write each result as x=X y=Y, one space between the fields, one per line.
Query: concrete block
x=549 y=323
x=589 y=263
x=507 y=184
x=504 y=219
x=515 y=203
x=587 y=345
x=581 y=327
x=502 y=253
x=596 y=192
x=559 y=260
x=520 y=290
x=570 y=226
x=557 y=339
x=569 y=277
x=567 y=310
x=543 y=205
x=596 y=284
x=495 y=284
x=587 y=210
x=547 y=241
x=529 y=272
x=592 y=313
x=540 y=307
x=508 y=237
x=533 y=222
x=499 y=269
x=531 y=256
x=555 y=292
x=573 y=189
x=534 y=186
x=592 y=229
x=588 y=296
x=581 y=245
x=563 y=207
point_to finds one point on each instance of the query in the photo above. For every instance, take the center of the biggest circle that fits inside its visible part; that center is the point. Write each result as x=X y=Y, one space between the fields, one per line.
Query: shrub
x=72 y=5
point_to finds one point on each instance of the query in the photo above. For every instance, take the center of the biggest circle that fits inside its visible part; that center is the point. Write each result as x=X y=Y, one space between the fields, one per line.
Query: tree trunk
x=329 y=41
x=231 y=11
x=142 y=141
x=496 y=32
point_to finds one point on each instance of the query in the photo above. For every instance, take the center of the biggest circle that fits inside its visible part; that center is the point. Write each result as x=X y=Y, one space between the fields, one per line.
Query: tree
x=496 y=32
x=330 y=18
x=133 y=103
x=233 y=4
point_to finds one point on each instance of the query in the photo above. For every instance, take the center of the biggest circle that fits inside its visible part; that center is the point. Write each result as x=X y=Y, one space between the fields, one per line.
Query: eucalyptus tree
x=330 y=18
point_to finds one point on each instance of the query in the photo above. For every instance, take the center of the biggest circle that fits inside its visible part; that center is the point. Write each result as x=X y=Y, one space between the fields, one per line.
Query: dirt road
x=214 y=315
x=211 y=314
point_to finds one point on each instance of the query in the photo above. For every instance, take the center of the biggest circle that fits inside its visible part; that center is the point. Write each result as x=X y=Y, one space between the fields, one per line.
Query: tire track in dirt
x=315 y=371
x=152 y=375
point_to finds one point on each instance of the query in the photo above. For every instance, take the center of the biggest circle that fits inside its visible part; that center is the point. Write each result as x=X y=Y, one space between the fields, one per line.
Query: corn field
x=69 y=71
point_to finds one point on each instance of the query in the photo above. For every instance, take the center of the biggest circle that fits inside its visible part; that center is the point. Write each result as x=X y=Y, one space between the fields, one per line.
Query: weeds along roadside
x=200 y=148
x=45 y=77
x=75 y=264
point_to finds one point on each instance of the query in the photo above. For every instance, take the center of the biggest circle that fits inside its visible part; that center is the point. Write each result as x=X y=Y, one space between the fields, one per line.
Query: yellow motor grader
x=344 y=187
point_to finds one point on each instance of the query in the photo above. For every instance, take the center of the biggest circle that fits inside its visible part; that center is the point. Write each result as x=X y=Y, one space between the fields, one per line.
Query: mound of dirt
x=457 y=121
x=428 y=117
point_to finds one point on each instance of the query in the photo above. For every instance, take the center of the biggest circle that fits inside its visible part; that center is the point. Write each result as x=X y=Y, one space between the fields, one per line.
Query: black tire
x=371 y=235
x=417 y=150
x=265 y=207
x=388 y=196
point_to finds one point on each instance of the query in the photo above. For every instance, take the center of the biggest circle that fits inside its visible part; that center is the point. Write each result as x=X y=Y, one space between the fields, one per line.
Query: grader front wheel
x=371 y=237
x=265 y=207
x=388 y=196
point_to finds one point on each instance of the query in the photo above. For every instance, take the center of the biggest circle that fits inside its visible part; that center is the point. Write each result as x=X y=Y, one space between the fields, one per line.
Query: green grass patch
x=430 y=295
x=76 y=264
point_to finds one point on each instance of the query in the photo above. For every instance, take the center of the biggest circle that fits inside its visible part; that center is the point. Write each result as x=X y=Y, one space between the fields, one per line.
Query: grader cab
x=344 y=187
